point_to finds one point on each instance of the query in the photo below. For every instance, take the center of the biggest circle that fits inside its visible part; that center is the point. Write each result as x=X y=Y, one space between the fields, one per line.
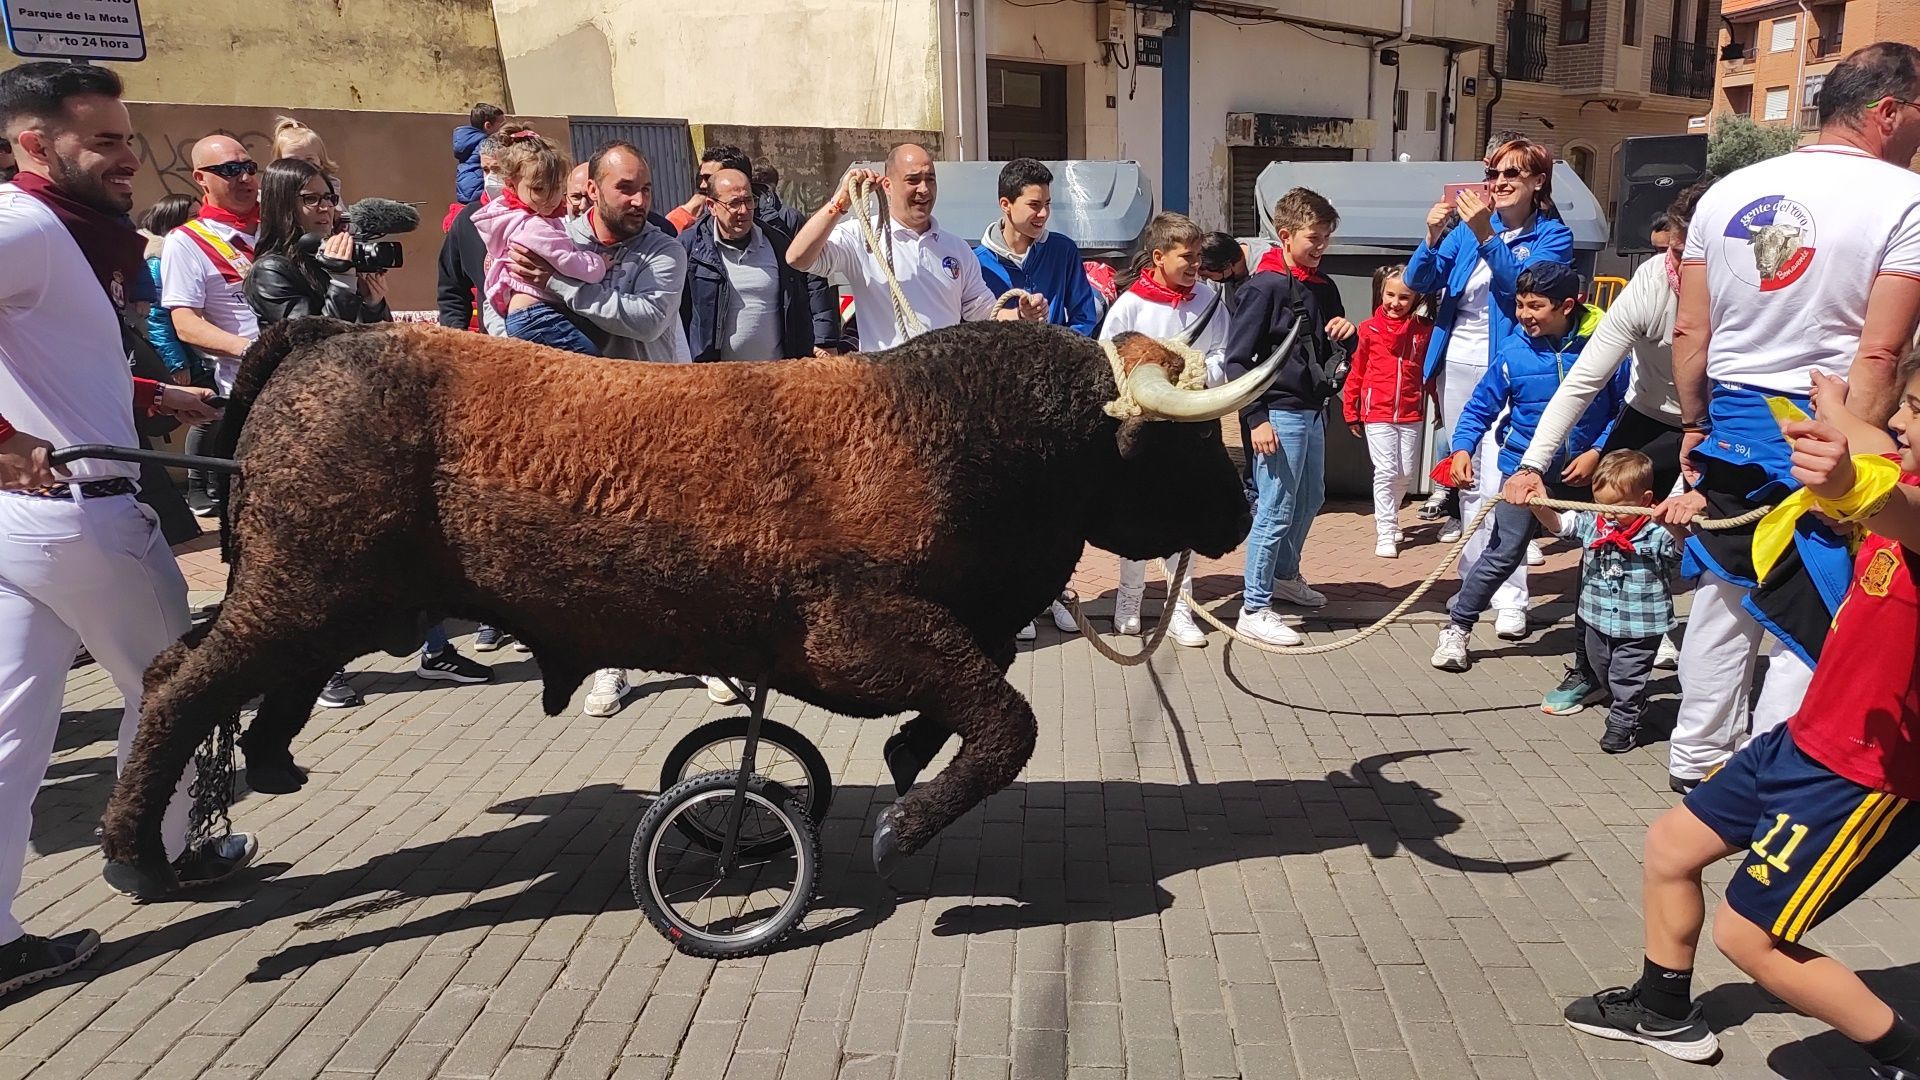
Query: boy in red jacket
x=1385 y=393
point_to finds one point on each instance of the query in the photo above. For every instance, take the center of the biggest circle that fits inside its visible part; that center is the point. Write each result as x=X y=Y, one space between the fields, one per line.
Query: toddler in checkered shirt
x=1627 y=565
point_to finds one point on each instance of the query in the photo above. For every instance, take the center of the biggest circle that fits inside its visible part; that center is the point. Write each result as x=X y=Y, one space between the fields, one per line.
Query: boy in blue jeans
x=1552 y=327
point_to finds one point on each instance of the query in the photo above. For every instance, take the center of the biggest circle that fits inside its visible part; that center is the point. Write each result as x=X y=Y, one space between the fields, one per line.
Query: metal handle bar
x=104 y=452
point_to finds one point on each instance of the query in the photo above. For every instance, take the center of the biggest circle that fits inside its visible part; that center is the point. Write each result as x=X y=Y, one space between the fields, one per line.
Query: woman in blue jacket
x=1476 y=265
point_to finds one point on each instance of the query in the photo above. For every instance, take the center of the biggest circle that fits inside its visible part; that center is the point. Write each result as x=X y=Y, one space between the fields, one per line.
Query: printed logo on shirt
x=1879 y=573
x=1769 y=243
x=1758 y=872
x=117 y=290
x=952 y=267
x=1522 y=251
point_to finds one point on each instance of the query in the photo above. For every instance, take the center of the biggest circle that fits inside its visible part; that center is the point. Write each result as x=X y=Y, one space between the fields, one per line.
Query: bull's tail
x=259 y=364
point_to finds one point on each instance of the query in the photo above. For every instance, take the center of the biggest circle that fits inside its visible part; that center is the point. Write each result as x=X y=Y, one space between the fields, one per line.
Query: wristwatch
x=1531 y=469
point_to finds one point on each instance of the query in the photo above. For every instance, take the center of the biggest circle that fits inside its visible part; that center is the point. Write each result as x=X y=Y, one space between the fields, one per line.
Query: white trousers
x=95 y=572
x=1133 y=577
x=1395 y=451
x=1716 y=668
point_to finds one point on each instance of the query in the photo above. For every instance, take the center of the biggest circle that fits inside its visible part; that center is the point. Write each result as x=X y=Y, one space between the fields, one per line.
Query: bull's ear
x=1129 y=436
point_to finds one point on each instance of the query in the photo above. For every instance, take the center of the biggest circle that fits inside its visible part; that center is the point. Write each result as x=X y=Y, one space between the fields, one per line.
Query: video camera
x=370 y=219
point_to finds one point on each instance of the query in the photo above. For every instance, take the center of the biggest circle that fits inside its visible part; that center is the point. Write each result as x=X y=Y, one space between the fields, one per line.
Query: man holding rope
x=1804 y=265
x=906 y=264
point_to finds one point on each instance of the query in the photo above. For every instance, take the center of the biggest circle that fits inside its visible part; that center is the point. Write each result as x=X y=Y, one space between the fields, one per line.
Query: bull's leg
x=906 y=654
x=268 y=741
x=910 y=750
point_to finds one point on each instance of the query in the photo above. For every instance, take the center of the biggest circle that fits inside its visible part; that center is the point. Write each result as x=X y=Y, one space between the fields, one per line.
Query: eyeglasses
x=736 y=205
x=232 y=170
x=315 y=202
x=1506 y=174
x=1896 y=101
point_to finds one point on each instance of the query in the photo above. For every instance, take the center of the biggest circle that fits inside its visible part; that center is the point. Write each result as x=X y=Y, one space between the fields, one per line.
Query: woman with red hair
x=1505 y=226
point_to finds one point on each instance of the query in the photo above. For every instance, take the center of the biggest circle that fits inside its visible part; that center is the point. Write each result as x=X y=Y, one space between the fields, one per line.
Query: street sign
x=76 y=29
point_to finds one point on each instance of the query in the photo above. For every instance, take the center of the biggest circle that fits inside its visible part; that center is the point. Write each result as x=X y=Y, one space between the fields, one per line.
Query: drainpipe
x=1799 y=64
x=962 y=81
x=1448 y=101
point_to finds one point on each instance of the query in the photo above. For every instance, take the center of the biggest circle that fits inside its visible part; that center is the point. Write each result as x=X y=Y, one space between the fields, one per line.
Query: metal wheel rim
x=773 y=761
x=795 y=899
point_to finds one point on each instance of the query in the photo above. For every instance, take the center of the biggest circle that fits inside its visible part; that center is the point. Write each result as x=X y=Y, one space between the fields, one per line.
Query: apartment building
x=1581 y=76
x=1774 y=55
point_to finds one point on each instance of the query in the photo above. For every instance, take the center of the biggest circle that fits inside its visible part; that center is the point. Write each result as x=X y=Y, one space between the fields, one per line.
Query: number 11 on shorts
x=1795 y=834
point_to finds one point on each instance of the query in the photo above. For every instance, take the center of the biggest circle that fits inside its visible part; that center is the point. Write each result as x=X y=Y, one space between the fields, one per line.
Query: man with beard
x=84 y=563
x=937 y=270
x=202 y=267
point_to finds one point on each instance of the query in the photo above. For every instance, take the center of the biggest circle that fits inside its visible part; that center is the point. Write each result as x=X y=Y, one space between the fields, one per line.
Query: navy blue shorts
x=1814 y=839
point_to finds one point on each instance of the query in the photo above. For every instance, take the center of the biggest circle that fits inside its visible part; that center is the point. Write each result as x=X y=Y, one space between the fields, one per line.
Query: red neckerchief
x=1149 y=288
x=1275 y=260
x=111 y=246
x=1609 y=533
x=248 y=223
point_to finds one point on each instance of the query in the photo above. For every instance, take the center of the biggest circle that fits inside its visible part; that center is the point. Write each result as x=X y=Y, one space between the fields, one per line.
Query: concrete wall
x=400 y=55
x=831 y=63
x=403 y=156
x=811 y=160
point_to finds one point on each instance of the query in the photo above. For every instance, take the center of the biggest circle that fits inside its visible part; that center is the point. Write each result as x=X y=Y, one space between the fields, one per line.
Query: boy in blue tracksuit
x=1019 y=253
x=1528 y=365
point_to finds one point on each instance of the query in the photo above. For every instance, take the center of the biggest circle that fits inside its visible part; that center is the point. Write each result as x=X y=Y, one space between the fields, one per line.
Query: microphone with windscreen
x=370 y=219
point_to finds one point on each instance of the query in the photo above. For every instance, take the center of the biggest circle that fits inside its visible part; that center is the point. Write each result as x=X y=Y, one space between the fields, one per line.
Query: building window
x=1740 y=101
x=1574 y=17
x=1782 y=34
x=1630 y=23
x=1433 y=110
x=1776 y=107
x=1810 y=102
x=1581 y=160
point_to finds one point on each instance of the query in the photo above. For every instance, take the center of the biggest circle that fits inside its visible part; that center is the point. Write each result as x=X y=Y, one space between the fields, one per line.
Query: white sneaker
x=1184 y=630
x=1387 y=549
x=1126 y=613
x=1063 y=618
x=1450 y=653
x=608 y=691
x=718 y=691
x=1535 y=557
x=1026 y=633
x=1510 y=624
x=1399 y=536
x=1296 y=592
x=1668 y=657
x=1265 y=625
x=1450 y=532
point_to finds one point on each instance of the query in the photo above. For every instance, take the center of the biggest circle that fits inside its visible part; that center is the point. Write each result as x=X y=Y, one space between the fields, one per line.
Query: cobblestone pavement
x=1222 y=864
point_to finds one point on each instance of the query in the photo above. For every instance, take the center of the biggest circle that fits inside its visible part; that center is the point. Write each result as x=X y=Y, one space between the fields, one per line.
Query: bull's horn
x=1159 y=398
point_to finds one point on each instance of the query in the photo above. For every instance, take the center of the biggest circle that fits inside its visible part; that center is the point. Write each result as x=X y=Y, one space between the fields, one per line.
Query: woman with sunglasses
x=1505 y=226
x=302 y=266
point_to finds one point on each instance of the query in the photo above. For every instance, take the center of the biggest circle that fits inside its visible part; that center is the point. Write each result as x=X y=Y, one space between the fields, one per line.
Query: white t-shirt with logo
x=64 y=375
x=1791 y=246
x=938 y=272
x=189 y=279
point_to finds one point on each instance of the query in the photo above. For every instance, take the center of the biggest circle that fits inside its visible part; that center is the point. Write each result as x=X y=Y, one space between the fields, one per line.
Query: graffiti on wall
x=171 y=157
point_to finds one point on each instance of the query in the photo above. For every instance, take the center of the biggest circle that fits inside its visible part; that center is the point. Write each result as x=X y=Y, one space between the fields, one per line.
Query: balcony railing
x=1682 y=68
x=1809 y=118
x=1527 y=48
x=1741 y=62
x=1823 y=47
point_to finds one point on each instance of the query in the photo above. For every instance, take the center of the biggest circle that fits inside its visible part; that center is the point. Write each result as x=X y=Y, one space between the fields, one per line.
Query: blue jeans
x=1292 y=483
x=1507 y=538
x=544 y=324
x=436 y=641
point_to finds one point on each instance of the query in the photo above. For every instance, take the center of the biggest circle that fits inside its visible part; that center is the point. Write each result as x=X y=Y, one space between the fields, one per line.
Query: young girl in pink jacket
x=527 y=216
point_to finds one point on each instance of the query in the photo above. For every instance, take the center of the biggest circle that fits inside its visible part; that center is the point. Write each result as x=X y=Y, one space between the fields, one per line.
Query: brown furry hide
x=863 y=533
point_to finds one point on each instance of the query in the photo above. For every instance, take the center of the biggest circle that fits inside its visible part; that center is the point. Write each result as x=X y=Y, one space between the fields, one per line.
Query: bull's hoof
x=887 y=855
x=275 y=777
x=131 y=879
x=900 y=762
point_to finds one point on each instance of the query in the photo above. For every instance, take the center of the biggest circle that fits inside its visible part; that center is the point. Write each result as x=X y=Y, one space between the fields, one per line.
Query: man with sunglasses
x=203 y=268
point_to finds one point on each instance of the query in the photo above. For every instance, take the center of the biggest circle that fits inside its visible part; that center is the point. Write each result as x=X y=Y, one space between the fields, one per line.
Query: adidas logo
x=1758 y=872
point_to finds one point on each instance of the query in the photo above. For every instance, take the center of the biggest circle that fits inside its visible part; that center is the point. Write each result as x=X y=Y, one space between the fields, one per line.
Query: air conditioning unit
x=1110 y=21
x=1153 y=21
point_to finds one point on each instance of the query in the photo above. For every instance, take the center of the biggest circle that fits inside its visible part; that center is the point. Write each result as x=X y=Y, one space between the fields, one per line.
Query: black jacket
x=463 y=269
x=703 y=301
x=823 y=299
x=1264 y=310
x=282 y=287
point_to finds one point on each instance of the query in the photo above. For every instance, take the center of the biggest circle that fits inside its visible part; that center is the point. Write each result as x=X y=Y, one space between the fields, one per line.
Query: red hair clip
x=524 y=135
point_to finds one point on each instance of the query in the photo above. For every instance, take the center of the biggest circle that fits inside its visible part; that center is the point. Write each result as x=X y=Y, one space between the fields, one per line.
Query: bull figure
x=863 y=533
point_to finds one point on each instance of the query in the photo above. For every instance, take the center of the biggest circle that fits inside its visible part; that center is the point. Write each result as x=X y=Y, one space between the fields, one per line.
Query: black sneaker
x=1617 y=1014
x=215 y=860
x=450 y=666
x=488 y=639
x=28 y=959
x=1681 y=785
x=1441 y=504
x=201 y=504
x=340 y=694
x=1619 y=739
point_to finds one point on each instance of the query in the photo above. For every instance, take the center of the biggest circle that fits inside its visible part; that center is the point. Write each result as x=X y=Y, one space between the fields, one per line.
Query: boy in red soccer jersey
x=1821 y=804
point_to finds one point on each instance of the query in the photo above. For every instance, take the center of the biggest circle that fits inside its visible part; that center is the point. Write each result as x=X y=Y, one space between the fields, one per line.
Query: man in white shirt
x=81 y=560
x=203 y=266
x=1802 y=265
x=938 y=272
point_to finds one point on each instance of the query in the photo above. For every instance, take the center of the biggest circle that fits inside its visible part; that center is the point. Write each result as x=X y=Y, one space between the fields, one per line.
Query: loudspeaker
x=1653 y=169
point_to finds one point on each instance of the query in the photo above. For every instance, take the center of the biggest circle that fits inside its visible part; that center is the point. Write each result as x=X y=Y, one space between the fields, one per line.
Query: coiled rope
x=1446 y=563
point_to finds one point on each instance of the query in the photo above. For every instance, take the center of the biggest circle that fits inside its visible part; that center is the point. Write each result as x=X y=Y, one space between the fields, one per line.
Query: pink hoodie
x=506 y=223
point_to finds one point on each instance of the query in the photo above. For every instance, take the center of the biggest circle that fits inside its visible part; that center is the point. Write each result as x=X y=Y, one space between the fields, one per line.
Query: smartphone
x=1451 y=193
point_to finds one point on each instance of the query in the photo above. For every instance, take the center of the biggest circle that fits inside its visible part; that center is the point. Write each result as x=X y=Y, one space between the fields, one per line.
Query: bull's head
x=1170 y=485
